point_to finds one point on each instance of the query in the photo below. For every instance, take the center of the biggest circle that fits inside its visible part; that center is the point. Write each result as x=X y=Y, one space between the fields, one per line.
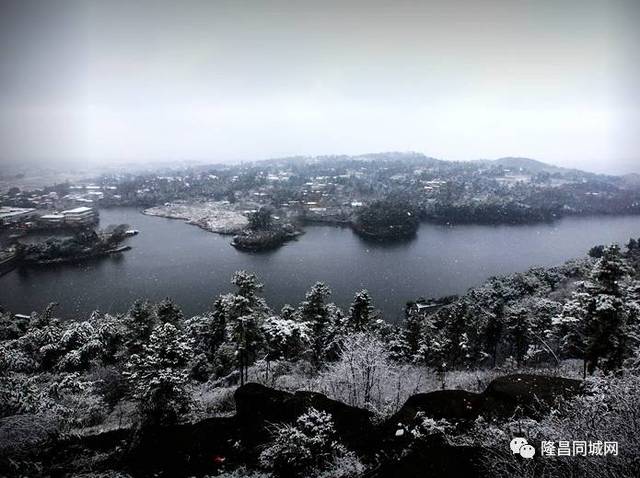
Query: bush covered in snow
x=309 y=448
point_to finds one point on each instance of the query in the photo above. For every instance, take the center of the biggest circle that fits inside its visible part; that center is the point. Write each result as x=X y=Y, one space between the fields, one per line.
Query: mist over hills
x=515 y=163
x=12 y=167
x=532 y=165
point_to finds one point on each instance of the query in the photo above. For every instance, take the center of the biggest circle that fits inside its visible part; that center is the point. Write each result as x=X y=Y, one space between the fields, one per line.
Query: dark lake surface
x=175 y=259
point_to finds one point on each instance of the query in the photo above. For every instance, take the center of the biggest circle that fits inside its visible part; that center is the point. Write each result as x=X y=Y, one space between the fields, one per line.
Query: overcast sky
x=555 y=80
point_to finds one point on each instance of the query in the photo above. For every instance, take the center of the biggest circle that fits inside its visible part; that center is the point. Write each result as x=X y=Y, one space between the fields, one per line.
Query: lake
x=175 y=259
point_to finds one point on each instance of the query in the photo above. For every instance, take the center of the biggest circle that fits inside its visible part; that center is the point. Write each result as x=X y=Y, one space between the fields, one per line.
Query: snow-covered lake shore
x=214 y=216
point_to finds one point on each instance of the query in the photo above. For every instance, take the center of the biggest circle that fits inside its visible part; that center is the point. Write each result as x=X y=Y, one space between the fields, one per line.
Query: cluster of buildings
x=33 y=218
x=65 y=198
x=74 y=207
x=16 y=215
x=36 y=200
x=90 y=194
x=79 y=216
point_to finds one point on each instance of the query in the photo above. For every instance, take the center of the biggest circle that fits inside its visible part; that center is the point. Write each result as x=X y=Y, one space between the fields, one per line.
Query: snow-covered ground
x=214 y=216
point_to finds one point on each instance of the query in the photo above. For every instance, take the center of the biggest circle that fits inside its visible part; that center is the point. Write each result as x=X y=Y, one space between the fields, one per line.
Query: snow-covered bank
x=214 y=216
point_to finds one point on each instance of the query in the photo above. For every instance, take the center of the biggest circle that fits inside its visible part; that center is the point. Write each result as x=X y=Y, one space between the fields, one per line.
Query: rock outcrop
x=194 y=449
x=523 y=394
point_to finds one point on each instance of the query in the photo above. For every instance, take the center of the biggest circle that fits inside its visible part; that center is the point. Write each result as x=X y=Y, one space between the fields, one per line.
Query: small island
x=387 y=220
x=84 y=244
x=264 y=233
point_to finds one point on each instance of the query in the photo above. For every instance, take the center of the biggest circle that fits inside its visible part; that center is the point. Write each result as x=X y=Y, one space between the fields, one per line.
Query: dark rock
x=432 y=458
x=200 y=448
x=195 y=448
x=255 y=402
x=527 y=393
x=258 y=406
x=353 y=425
x=185 y=449
x=452 y=405
x=455 y=406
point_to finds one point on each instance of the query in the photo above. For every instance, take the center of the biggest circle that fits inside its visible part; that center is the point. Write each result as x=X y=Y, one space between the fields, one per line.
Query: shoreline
x=73 y=260
x=211 y=217
x=228 y=229
x=187 y=221
x=392 y=306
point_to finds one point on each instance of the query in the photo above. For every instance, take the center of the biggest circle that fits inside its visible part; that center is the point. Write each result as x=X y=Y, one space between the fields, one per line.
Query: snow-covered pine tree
x=361 y=312
x=158 y=375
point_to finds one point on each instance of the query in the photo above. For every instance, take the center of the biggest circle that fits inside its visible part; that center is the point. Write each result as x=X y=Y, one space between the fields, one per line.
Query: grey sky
x=222 y=81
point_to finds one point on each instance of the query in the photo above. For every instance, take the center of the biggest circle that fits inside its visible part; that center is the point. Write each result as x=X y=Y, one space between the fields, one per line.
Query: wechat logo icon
x=520 y=446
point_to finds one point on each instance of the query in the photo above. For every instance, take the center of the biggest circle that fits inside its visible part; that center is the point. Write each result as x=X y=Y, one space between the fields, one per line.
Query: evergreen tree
x=606 y=344
x=159 y=377
x=247 y=283
x=206 y=339
x=596 y=251
x=246 y=334
x=218 y=325
x=288 y=312
x=244 y=315
x=413 y=332
x=596 y=324
x=493 y=331
x=609 y=270
x=168 y=312
x=315 y=311
x=606 y=331
x=249 y=287
x=139 y=323
x=572 y=324
x=432 y=343
x=452 y=339
x=361 y=312
x=111 y=333
x=285 y=338
x=518 y=331
x=260 y=220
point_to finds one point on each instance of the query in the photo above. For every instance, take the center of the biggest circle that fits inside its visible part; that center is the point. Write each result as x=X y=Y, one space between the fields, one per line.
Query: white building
x=52 y=219
x=80 y=216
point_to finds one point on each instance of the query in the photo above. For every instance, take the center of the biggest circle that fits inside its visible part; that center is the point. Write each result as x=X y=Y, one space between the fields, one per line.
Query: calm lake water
x=175 y=259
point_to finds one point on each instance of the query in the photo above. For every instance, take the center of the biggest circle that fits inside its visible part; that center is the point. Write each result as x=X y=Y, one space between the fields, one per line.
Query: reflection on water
x=171 y=258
